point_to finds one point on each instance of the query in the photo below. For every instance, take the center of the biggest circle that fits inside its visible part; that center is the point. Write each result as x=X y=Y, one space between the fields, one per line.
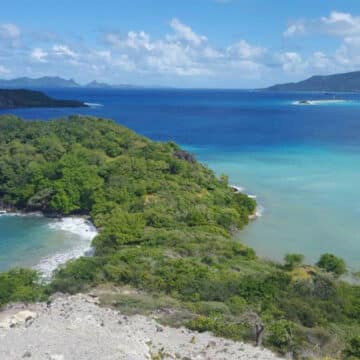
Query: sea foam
x=74 y=225
x=93 y=105
x=321 y=102
x=259 y=208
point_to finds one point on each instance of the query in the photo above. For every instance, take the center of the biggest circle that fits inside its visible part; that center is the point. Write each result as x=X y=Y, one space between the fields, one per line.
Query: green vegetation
x=20 y=285
x=332 y=263
x=166 y=224
x=293 y=260
x=353 y=349
x=11 y=99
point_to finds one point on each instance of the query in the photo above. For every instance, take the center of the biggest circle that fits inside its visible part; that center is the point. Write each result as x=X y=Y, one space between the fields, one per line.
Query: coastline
x=259 y=208
x=80 y=226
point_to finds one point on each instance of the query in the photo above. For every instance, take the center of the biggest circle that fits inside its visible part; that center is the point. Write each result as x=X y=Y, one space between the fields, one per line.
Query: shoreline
x=322 y=102
x=259 y=210
x=80 y=226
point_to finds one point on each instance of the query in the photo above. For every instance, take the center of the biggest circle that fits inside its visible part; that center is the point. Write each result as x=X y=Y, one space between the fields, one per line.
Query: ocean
x=301 y=161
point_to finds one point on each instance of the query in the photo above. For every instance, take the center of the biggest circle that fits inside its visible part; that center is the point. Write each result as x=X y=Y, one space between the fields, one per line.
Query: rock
x=22 y=317
x=159 y=328
x=70 y=330
x=56 y=357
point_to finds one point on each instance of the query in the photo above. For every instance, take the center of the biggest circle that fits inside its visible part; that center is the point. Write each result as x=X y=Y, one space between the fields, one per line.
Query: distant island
x=335 y=83
x=43 y=82
x=52 y=82
x=12 y=99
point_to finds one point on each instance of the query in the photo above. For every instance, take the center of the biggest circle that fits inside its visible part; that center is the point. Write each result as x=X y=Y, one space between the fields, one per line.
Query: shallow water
x=302 y=162
x=310 y=199
x=42 y=243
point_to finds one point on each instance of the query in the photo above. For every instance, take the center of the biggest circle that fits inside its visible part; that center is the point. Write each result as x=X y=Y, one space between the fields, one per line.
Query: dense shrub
x=352 y=350
x=332 y=263
x=77 y=275
x=281 y=335
x=293 y=260
x=20 y=285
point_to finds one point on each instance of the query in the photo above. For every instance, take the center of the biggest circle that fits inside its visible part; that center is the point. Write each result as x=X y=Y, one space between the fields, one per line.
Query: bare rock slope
x=76 y=328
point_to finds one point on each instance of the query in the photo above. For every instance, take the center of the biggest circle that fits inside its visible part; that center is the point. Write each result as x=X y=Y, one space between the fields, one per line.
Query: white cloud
x=211 y=53
x=177 y=54
x=337 y=23
x=38 y=54
x=315 y=63
x=184 y=32
x=63 y=51
x=180 y=54
x=9 y=31
x=295 y=29
x=244 y=50
x=124 y=62
x=4 y=70
x=291 y=62
x=346 y=57
x=340 y=24
x=133 y=40
x=321 y=61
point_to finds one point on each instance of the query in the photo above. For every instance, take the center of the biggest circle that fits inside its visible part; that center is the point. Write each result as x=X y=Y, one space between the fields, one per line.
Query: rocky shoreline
x=77 y=328
x=259 y=208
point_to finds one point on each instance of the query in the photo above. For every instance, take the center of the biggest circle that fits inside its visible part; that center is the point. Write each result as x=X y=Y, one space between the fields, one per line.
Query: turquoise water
x=302 y=161
x=35 y=241
x=310 y=198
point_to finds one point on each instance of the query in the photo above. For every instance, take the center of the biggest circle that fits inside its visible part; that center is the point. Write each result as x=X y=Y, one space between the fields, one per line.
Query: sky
x=179 y=43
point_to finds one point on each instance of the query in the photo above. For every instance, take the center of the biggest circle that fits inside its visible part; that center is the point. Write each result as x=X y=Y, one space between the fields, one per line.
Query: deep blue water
x=228 y=119
x=302 y=161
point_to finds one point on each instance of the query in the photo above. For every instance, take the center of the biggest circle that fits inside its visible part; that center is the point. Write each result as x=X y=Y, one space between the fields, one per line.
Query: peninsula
x=346 y=82
x=165 y=248
x=12 y=99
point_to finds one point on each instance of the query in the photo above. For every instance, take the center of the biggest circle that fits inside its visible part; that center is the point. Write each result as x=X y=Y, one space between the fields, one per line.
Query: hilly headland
x=165 y=244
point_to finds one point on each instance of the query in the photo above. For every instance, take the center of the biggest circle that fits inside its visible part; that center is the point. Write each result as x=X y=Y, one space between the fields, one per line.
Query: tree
x=332 y=263
x=293 y=260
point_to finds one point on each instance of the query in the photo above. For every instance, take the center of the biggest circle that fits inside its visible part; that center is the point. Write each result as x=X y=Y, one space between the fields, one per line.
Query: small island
x=13 y=99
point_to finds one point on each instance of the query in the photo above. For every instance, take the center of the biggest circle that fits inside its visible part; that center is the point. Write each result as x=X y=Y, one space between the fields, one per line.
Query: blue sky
x=185 y=43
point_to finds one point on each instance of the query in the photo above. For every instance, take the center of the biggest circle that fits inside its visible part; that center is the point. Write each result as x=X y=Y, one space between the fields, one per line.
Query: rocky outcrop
x=76 y=328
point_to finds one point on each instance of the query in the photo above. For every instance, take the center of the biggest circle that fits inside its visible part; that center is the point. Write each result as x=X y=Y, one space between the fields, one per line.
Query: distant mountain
x=51 y=82
x=43 y=82
x=12 y=99
x=337 y=82
x=98 y=85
